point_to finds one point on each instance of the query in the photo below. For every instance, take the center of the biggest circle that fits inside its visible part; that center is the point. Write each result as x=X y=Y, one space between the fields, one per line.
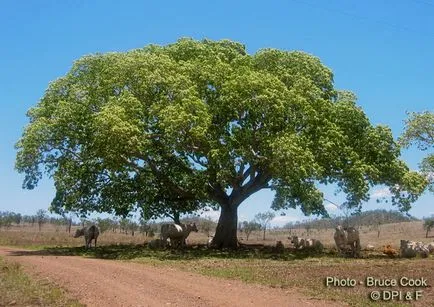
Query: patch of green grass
x=16 y=288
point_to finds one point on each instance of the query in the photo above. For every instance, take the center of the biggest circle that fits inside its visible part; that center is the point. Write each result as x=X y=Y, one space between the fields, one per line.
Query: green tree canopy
x=419 y=130
x=197 y=123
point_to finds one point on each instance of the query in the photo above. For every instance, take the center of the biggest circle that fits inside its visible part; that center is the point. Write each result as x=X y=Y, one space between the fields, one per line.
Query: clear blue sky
x=382 y=50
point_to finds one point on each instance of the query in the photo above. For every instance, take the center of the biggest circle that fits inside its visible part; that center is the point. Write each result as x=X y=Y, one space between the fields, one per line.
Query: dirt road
x=97 y=282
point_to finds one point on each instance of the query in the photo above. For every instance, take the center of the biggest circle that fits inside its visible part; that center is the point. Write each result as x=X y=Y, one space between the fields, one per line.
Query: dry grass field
x=290 y=269
x=52 y=235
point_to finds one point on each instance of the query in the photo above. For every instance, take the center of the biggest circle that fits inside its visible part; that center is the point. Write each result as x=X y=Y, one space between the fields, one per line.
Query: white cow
x=210 y=238
x=345 y=237
x=297 y=242
x=410 y=249
x=176 y=233
x=370 y=247
x=313 y=244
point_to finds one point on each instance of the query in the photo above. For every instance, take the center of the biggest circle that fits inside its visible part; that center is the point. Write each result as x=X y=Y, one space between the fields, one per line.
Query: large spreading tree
x=172 y=129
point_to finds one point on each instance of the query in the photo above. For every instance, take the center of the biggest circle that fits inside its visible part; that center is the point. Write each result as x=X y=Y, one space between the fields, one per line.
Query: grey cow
x=347 y=237
x=90 y=233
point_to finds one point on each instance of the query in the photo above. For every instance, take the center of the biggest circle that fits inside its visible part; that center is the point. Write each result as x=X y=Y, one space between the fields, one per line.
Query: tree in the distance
x=41 y=217
x=104 y=224
x=264 y=219
x=132 y=226
x=173 y=129
x=428 y=225
x=123 y=225
x=249 y=227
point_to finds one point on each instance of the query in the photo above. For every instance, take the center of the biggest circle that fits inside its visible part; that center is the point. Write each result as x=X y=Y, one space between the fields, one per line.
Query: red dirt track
x=97 y=282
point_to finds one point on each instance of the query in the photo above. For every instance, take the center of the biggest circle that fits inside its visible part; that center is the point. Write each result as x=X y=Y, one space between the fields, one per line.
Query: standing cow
x=176 y=233
x=90 y=233
x=345 y=237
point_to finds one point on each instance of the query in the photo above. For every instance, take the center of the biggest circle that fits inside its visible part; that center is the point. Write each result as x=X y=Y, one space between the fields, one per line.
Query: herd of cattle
x=347 y=240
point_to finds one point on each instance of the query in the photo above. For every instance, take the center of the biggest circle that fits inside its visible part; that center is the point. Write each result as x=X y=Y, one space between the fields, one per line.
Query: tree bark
x=176 y=218
x=226 y=232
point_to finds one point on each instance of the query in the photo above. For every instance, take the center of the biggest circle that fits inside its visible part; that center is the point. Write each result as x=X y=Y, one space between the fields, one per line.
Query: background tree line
x=261 y=222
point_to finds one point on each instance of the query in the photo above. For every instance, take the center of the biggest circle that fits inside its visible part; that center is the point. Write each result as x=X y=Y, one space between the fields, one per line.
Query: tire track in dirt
x=98 y=282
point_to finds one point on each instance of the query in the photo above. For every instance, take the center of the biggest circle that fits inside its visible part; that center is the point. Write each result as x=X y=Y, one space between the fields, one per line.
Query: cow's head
x=294 y=239
x=79 y=233
x=341 y=235
x=193 y=227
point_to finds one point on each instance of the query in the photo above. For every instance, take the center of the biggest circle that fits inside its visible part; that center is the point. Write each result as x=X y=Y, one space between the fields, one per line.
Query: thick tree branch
x=241 y=169
x=196 y=160
x=256 y=183
x=217 y=193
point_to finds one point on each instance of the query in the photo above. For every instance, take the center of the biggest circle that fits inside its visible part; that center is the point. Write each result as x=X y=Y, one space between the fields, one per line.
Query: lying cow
x=297 y=242
x=389 y=251
x=155 y=244
x=278 y=248
x=347 y=237
x=176 y=233
x=369 y=247
x=311 y=244
x=90 y=233
x=430 y=247
x=410 y=249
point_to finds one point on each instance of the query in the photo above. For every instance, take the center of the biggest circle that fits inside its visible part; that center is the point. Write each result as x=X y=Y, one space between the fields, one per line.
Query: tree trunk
x=176 y=218
x=263 y=238
x=226 y=231
x=427 y=231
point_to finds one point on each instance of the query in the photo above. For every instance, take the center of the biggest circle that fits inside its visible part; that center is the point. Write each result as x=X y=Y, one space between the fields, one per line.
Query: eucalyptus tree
x=428 y=225
x=104 y=224
x=249 y=227
x=264 y=219
x=41 y=217
x=172 y=129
